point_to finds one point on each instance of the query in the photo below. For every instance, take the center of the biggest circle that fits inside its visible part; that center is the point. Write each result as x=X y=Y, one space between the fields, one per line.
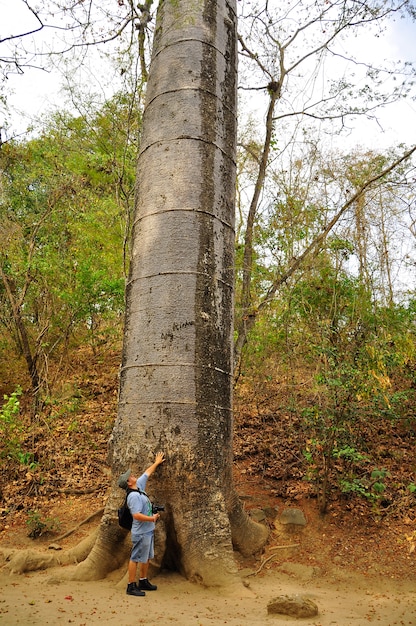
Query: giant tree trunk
x=176 y=376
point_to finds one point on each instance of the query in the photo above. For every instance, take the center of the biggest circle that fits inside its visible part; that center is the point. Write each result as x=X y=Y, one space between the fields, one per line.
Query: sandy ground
x=343 y=599
x=356 y=578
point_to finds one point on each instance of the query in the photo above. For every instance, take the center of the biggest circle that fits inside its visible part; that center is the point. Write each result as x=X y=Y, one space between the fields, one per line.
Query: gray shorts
x=142 y=549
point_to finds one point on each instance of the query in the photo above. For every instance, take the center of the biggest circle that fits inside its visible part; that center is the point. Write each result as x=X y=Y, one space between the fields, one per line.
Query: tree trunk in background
x=23 y=338
x=176 y=376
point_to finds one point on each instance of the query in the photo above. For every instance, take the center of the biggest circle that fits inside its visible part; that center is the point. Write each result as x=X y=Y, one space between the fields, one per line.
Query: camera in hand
x=156 y=508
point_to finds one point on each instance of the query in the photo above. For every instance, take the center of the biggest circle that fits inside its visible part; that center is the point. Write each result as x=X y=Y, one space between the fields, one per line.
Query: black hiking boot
x=133 y=590
x=145 y=585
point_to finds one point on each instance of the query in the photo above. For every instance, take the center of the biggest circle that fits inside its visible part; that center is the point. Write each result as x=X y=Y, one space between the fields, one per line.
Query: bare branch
x=250 y=314
x=318 y=241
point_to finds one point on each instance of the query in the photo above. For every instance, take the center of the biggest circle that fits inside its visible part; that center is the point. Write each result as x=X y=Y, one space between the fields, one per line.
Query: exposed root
x=84 y=521
x=21 y=561
x=271 y=557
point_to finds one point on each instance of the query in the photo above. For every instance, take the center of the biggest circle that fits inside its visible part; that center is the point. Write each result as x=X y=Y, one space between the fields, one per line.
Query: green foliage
x=12 y=432
x=354 y=486
x=351 y=350
x=350 y=454
x=27 y=459
x=370 y=487
x=66 y=198
x=353 y=383
x=68 y=403
x=10 y=426
x=38 y=526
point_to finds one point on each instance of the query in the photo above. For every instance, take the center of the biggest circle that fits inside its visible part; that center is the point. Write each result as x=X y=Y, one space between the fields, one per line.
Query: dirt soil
x=357 y=575
x=343 y=600
x=357 y=564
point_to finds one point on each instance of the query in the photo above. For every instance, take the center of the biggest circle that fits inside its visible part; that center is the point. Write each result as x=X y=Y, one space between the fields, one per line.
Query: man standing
x=142 y=530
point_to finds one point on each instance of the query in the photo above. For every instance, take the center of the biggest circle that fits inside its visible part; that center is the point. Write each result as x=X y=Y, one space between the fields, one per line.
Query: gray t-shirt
x=138 y=502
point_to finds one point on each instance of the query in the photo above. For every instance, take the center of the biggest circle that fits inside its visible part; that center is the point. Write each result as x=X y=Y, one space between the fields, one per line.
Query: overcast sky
x=37 y=91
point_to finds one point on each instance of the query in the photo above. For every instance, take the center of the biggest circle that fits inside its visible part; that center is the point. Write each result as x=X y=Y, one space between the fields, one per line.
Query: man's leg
x=144 y=583
x=133 y=571
x=148 y=553
x=132 y=589
x=143 y=569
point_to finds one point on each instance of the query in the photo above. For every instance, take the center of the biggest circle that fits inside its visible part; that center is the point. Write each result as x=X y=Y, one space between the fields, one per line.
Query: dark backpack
x=125 y=518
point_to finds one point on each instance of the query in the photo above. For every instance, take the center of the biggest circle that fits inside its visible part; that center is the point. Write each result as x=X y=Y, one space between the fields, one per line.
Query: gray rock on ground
x=293 y=517
x=292 y=605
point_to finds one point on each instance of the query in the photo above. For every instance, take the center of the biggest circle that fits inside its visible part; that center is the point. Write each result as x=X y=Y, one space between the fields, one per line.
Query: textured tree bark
x=23 y=337
x=176 y=376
